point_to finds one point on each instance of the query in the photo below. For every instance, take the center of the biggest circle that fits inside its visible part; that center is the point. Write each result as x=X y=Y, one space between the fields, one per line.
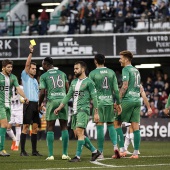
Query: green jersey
x=168 y=103
x=6 y=85
x=82 y=91
x=132 y=75
x=54 y=81
x=106 y=84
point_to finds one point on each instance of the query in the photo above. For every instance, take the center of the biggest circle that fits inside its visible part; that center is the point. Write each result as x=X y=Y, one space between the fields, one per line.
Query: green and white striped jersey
x=106 y=85
x=82 y=91
x=54 y=81
x=132 y=75
x=6 y=85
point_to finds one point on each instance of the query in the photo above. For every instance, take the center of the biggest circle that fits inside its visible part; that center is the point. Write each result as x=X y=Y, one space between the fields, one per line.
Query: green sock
x=120 y=137
x=136 y=139
x=112 y=134
x=100 y=137
x=50 y=140
x=88 y=144
x=65 y=138
x=2 y=138
x=80 y=144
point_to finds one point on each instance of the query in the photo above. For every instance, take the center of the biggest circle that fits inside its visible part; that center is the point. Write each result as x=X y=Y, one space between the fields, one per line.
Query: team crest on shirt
x=124 y=77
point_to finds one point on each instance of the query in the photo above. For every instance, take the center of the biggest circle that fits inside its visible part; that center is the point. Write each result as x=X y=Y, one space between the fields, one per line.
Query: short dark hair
x=82 y=63
x=127 y=54
x=33 y=63
x=6 y=62
x=48 y=60
x=100 y=58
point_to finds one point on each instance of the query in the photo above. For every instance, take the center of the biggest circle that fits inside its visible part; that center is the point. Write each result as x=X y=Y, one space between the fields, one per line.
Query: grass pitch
x=154 y=156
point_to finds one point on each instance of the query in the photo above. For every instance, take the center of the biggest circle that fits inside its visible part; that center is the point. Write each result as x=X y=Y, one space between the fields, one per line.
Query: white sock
x=127 y=143
x=11 y=134
x=132 y=138
x=18 y=134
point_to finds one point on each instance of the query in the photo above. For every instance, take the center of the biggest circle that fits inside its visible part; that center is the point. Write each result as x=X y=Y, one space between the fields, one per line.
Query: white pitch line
x=109 y=166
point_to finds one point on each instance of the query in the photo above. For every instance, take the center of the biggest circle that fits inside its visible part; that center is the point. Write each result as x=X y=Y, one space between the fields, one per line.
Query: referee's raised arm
x=28 y=62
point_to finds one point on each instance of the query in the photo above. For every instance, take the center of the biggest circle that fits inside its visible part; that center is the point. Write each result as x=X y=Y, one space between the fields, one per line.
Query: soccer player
x=131 y=104
x=31 y=114
x=82 y=90
x=106 y=85
x=129 y=138
x=56 y=84
x=167 y=107
x=16 y=118
x=7 y=82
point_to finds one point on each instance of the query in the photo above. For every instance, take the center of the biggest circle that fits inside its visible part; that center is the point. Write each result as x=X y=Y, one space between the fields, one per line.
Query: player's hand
x=96 y=116
x=118 y=108
x=26 y=100
x=56 y=111
x=31 y=48
x=149 y=111
x=166 y=111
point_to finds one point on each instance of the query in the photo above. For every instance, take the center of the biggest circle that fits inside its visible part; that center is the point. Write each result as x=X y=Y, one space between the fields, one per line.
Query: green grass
x=154 y=156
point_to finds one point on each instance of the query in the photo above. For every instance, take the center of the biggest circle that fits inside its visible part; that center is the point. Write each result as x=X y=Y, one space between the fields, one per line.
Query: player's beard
x=78 y=74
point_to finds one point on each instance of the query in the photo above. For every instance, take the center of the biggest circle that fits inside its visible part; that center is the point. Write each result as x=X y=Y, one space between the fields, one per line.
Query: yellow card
x=33 y=42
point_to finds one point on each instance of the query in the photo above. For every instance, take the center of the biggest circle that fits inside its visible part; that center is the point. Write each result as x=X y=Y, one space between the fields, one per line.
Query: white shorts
x=16 y=117
x=126 y=124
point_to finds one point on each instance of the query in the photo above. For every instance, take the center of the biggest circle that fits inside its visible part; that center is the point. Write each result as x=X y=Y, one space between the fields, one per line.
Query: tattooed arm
x=123 y=89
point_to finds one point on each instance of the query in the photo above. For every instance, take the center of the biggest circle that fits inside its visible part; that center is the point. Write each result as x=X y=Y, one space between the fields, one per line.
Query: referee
x=30 y=111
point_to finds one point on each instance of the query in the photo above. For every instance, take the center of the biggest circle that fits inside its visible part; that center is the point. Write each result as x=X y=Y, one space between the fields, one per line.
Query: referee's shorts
x=30 y=113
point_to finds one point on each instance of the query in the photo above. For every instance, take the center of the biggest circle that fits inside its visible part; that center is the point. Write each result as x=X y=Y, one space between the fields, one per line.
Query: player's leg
x=120 y=137
x=50 y=138
x=109 y=117
x=5 y=117
x=10 y=131
x=63 y=119
x=27 y=120
x=65 y=138
x=127 y=136
x=36 y=121
x=80 y=122
x=100 y=129
x=135 y=119
x=51 y=119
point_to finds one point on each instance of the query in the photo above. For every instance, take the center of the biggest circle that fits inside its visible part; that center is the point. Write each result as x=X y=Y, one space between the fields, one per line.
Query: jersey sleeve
x=42 y=83
x=16 y=84
x=125 y=74
x=68 y=96
x=24 y=75
x=91 y=76
x=93 y=93
x=116 y=90
x=168 y=103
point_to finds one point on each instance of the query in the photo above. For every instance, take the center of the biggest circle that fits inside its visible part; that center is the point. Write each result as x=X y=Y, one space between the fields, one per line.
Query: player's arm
x=42 y=91
x=123 y=89
x=21 y=93
x=67 y=87
x=167 y=107
x=145 y=99
x=64 y=101
x=28 y=62
x=93 y=94
x=41 y=97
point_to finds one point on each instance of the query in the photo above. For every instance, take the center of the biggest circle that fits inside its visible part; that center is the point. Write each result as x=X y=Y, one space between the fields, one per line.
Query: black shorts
x=31 y=114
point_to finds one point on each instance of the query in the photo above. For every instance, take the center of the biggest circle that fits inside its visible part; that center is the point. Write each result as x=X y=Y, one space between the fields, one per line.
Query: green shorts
x=79 y=120
x=106 y=113
x=130 y=112
x=5 y=113
x=51 y=106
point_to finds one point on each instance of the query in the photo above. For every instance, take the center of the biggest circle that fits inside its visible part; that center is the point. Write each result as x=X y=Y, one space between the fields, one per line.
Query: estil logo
x=66 y=47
